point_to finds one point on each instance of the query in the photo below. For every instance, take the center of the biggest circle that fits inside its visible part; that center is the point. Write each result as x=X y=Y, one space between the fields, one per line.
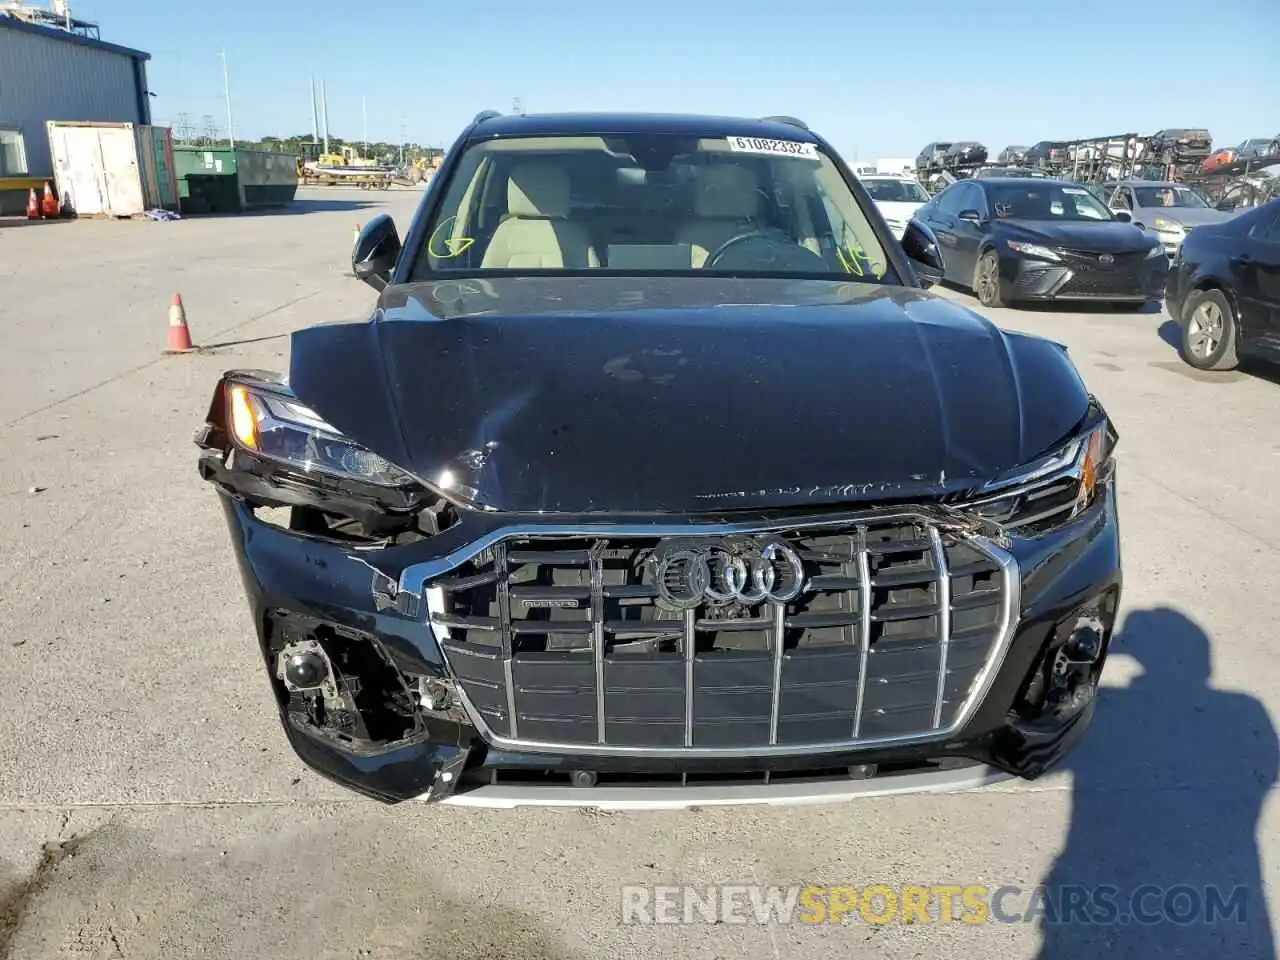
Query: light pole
x=226 y=87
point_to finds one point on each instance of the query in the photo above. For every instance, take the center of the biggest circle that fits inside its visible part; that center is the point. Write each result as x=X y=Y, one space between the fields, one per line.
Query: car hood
x=1187 y=216
x=1105 y=236
x=686 y=396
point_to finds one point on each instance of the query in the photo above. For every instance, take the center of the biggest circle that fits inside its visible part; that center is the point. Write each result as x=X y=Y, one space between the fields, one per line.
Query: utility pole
x=324 y=114
x=315 y=124
x=226 y=86
x=364 y=122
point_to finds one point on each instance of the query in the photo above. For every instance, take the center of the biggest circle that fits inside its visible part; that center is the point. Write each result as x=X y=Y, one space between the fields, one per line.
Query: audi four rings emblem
x=689 y=575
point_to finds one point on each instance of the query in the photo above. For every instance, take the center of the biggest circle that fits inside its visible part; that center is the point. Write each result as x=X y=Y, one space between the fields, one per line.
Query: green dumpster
x=223 y=180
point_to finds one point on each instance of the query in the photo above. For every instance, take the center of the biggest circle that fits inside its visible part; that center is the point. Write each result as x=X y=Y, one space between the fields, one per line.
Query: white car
x=898 y=198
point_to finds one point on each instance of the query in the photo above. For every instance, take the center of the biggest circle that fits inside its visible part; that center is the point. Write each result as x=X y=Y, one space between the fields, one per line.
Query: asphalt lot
x=149 y=805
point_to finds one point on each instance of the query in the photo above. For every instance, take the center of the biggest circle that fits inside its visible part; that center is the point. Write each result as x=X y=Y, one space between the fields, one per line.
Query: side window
x=1267 y=231
x=971 y=198
x=1123 y=200
x=948 y=201
x=13 y=153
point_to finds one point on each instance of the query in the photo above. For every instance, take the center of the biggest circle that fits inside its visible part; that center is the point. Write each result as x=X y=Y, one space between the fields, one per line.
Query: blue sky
x=876 y=79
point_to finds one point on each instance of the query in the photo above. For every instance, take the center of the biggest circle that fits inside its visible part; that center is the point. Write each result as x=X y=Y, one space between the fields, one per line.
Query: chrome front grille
x=560 y=643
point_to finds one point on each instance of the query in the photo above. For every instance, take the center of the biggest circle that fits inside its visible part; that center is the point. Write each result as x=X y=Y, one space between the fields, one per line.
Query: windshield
x=651 y=204
x=1047 y=201
x=1168 y=197
x=896 y=191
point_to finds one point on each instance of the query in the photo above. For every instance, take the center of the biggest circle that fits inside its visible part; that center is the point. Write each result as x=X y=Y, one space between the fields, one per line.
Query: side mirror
x=922 y=249
x=1124 y=216
x=970 y=216
x=376 y=251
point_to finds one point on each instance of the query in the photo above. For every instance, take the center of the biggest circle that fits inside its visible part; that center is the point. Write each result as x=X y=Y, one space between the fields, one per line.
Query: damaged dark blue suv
x=657 y=477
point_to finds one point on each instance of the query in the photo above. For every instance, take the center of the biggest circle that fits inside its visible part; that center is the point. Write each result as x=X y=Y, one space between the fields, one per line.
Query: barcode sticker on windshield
x=786 y=148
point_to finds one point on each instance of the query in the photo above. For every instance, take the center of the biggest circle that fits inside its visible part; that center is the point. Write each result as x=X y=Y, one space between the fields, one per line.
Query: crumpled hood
x=686 y=396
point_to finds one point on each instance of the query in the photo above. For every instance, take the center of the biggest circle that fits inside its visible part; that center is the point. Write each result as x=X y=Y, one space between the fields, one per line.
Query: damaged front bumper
x=391 y=722
x=421 y=648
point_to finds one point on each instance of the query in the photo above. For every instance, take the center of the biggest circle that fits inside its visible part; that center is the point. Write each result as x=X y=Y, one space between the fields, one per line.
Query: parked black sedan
x=1015 y=239
x=1224 y=290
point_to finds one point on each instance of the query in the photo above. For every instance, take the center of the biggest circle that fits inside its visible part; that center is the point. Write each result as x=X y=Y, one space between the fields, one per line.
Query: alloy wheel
x=988 y=279
x=1204 y=330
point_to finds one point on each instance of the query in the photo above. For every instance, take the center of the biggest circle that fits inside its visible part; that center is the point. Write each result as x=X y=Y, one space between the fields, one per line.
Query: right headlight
x=275 y=425
x=1052 y=489
x=1036 y=250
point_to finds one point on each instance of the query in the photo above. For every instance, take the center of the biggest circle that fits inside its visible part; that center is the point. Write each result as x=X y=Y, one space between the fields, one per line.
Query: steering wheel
x=772 y=236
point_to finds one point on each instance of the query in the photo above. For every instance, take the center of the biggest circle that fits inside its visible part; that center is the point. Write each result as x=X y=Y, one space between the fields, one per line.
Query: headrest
x=727 y=192
x=538 y=190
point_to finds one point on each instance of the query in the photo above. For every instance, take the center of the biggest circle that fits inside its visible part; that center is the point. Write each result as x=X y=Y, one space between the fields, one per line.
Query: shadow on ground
x=337 y=888
x=13 y=222
x=298 y=207
x=1171 y=333
x=1150 y=308
x=1168 y=789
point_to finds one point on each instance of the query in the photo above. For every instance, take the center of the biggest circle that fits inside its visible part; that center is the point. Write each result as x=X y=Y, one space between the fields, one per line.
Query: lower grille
x=564 y=642
x=1091 y=277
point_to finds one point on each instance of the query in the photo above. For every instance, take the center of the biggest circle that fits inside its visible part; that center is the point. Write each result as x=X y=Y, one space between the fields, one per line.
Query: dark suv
x=1047 y=155
x=657 y=475
x=933 y=156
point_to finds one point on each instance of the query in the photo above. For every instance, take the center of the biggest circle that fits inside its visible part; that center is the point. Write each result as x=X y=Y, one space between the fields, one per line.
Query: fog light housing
x=1084 y=645
x=303 y=666
x=1065 y=678
x=306 y=671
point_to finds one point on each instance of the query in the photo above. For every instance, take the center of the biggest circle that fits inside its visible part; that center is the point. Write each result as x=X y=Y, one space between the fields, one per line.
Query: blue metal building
x=47 y=73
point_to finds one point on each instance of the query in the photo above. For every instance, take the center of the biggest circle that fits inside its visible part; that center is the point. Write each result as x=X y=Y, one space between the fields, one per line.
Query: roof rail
x=789 y=121
x=484 y=115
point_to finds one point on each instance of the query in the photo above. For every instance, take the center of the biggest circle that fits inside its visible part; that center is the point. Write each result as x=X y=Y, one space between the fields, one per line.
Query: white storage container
x=113 y=169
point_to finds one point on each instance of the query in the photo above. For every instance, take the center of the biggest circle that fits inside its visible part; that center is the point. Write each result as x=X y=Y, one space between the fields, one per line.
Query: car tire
x=1208 y=324
x=986 y=280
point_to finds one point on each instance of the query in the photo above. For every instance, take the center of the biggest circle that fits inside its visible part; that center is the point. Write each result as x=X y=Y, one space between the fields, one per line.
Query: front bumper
x=1172 y=242
x=393 y=747
x=1027 y=279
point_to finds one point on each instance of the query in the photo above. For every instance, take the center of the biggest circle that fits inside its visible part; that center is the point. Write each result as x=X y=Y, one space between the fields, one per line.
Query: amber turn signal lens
x=1089 y=469
x=244 y=424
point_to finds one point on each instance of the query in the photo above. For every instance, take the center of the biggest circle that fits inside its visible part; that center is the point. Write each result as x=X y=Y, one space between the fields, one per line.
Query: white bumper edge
x=789 y=793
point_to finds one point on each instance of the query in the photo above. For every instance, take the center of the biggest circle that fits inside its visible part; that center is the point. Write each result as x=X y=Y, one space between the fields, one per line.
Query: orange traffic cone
x=33 y=205
x=49 y=203
x=179 y=335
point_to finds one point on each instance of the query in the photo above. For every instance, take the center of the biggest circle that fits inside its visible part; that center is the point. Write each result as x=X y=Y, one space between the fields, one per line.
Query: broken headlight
x=271 y=423
x=1054 y=488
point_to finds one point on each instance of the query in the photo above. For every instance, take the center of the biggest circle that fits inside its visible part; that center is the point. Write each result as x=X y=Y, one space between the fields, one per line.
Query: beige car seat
x=726 y=202
x=536 y=232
